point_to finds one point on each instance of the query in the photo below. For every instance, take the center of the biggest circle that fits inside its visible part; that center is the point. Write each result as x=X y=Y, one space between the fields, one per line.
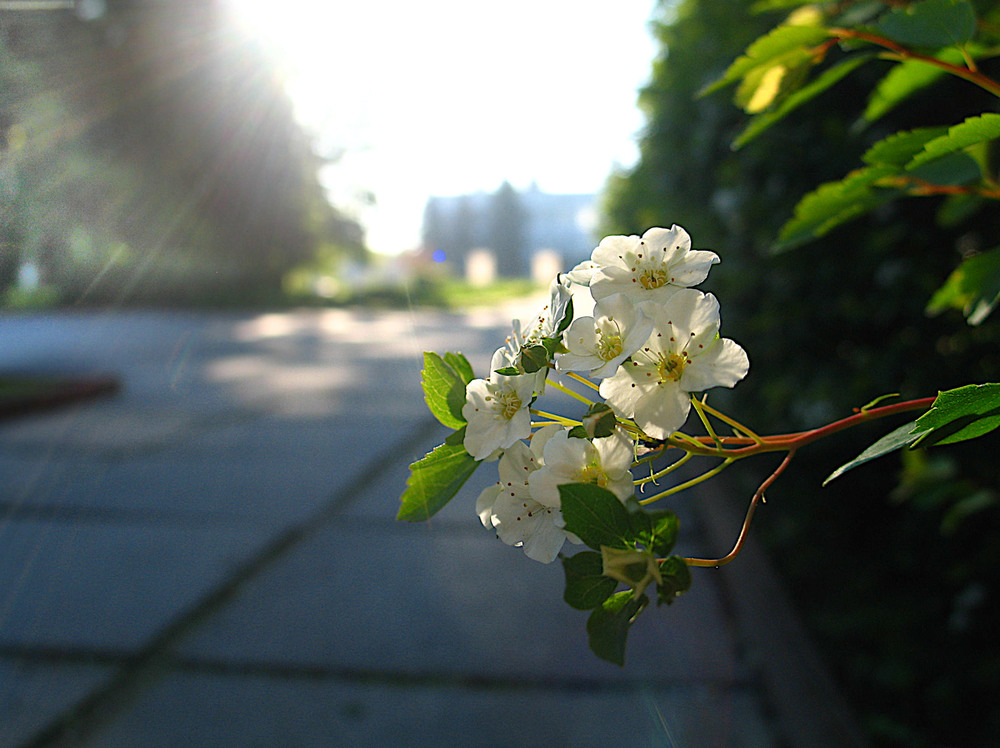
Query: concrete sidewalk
x=210 y=558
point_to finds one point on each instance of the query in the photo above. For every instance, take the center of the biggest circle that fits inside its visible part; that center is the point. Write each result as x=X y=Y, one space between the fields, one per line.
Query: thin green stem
x=649 y=457
x=568 y=391
x=731 y=422
x=693 y=482
x=554 y=417
x=704 y=421
x=582 y=380
x=652 y=477
x=900 y=52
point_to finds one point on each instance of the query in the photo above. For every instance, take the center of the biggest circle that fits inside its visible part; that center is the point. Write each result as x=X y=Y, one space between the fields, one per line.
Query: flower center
x=507 y=403
x=651 y=278
x=672 y=366
x=609 y=346
x=594 y=474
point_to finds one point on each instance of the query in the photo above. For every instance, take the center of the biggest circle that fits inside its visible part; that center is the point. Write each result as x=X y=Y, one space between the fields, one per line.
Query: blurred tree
x=507 y=232
x=828 y=327
x=182 y=169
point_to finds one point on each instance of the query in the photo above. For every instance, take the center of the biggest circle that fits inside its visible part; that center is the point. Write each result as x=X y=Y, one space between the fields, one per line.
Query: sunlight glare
x=446 y=97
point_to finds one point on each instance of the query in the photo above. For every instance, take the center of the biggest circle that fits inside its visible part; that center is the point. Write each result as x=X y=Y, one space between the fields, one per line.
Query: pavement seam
x=85 y=717
x=492 y=682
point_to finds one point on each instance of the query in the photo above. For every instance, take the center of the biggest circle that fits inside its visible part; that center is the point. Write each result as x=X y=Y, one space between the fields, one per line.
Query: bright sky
x=444 y=97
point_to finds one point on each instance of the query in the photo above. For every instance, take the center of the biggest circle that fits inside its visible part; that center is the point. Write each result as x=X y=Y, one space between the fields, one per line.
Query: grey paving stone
x=377 y=599
x=107 y=587
x=210 y=710
x=271 y=472
x=32 y=694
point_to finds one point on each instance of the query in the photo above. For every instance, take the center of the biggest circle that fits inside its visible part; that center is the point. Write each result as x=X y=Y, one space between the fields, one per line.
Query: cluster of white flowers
x=652 y=341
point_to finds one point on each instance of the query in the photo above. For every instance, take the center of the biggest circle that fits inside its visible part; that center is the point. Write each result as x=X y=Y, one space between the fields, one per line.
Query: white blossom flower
x=600 y=343
x=546 y=323
x=604 y=462
x=509 y=507
x=496 y=410
x=582 y=273
x=683 y=354
x=650 y=268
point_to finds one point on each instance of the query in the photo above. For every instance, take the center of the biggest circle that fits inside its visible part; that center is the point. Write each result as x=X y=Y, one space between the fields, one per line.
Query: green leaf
x=661 y=533
x=596 y=516
x=897 y=439
x=434 y=480
x=973 y=287
x=599 y=421
x=444 y=390
x=960 y=414
x=904 y=80
x=608 y=625
x=793 y=101
x=764 y=86
x=951 y=169
x=461 y=365
x=676 y=580
x=834 y=203
x=768 y=48
x=586 y=585
x=534 y=358
x=973 y=131
x=899 y=148
x=930 y=24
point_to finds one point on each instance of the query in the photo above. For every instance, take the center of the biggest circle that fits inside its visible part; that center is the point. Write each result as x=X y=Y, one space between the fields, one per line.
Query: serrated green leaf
x=586 y=585
x=834 y=203
x=902 y=81
x=930 y=24
x=950 y=169
x=960 y=414
x=676 y=577
x=461 y=365
x=608 y=625
x=973 y=131
x=444 y=390
x=779 y=41
x=895 y=439
x=793 y=101
x=662 y=533
x=973 y=287
x=899 y=148
x=434 y=480
x=596 y=516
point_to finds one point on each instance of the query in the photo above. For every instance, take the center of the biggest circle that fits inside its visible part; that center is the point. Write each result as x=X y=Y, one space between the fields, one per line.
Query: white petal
x=545 y=543
x=693 y=268
x=616 y=452
x=674 y=240
x=484 y=504
x=582 y=273
x=662 y=411
x=622 y=391
x=723 y=364
x=611 y=250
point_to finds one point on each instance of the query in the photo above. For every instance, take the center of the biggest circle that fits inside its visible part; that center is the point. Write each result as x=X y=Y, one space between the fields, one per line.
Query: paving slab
x=33 y=693
x=367 y=598
x=215 y=710
x=271 y=472
x=107 y=587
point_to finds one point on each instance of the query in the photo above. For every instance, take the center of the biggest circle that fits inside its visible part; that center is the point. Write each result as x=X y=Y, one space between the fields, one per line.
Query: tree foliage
x=902 y=591
x=157 y=155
